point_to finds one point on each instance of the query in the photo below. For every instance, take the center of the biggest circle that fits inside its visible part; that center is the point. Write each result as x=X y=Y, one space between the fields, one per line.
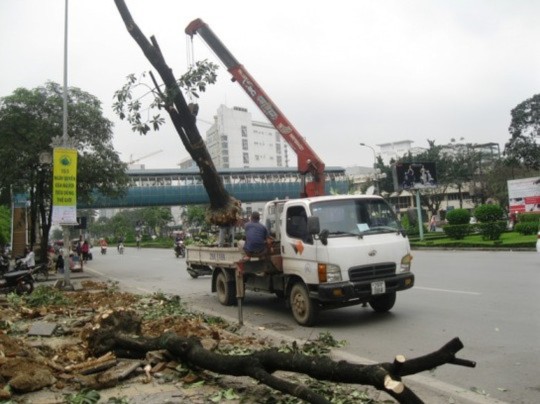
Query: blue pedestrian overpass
x=174 y=187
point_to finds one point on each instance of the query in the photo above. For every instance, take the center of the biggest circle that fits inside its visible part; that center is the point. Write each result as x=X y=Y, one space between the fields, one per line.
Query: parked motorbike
x=4 y=264
x=40 y=273
x=180 y=249
x=20 y=282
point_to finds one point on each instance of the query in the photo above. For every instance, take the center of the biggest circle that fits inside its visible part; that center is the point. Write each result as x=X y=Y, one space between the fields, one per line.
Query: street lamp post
x=65 y=143
x=376 y=174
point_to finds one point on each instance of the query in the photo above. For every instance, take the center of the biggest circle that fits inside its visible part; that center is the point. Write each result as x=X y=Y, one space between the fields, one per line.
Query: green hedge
x=458 y=217
x=457 y=231
x=526 y=228
x=488 y=213
x=528 y=223
x=529 y=217
x=410 y=229
x=492 y=230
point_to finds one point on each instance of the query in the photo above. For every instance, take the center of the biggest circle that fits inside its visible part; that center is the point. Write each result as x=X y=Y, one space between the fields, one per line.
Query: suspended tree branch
x=224 y=208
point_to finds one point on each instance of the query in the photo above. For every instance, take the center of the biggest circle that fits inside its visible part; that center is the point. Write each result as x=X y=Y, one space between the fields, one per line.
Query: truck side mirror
x=313 y=225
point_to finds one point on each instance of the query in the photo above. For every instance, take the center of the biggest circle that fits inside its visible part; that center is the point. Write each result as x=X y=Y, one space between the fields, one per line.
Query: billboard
x=524 y=195
x=64 y=186
x=414 y=175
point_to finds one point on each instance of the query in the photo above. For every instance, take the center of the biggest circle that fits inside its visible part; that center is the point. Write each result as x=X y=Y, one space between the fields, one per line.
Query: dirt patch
x=44 y=369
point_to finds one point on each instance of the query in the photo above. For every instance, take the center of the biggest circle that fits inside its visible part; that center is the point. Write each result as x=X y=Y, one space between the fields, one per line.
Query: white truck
x=328 y=252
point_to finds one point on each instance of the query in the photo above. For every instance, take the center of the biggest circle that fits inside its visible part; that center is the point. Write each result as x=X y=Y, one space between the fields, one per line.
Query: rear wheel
x=25 y=288
x=303 y=308
x=41 y=274
x=226 y=291
x=383 y=303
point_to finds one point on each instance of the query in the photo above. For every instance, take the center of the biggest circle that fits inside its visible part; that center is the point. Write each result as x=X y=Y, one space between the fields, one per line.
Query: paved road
x=487 y=299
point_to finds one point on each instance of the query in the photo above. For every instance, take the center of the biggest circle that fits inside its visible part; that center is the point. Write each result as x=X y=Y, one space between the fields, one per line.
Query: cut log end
x=393 y=385
x=229 y=215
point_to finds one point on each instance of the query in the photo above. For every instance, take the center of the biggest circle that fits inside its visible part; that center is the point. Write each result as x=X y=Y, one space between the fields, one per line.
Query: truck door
x=298 y=249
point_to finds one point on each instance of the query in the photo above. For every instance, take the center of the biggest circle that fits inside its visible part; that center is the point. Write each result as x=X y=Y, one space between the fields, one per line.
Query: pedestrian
x=60 y=264
x=78 y=249
x=29 y=258
x=256 y=236
x=72 y=262
x=432 y=224
x=120 y=243
x=85 y=250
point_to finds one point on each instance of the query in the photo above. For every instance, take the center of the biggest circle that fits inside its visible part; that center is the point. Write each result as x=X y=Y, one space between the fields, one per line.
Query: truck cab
x=338 y=251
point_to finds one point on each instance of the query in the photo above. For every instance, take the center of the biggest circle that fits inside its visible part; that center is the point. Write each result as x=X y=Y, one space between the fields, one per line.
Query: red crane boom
x=308 y=161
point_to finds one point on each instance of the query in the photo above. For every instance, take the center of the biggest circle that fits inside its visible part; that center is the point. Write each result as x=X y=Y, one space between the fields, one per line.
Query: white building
x=396 y=150
x=236 y=141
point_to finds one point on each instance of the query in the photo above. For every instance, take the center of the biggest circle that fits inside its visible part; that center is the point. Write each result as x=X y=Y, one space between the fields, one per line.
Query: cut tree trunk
x=110 y=335
x=224 y=209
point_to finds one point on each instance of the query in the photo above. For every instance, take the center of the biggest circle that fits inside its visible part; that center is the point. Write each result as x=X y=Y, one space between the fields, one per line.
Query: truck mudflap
x=343 y=292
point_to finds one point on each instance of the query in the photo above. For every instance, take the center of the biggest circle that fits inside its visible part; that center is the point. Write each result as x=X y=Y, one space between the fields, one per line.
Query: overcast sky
x=343 y=72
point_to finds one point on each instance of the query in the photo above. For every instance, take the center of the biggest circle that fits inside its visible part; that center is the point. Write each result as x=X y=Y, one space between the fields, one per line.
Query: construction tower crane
x=133 y=161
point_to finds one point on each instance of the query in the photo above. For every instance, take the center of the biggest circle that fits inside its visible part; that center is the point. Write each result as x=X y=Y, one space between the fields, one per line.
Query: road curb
x=429 y=389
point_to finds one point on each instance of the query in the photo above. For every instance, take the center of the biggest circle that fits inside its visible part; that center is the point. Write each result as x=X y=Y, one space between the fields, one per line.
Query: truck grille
x=370 y=272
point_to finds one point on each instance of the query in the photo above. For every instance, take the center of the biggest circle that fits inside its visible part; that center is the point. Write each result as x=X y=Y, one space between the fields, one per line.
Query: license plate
x=378 y=287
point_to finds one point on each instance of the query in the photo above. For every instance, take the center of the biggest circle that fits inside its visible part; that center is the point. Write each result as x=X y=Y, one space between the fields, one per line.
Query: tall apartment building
x=236 y=141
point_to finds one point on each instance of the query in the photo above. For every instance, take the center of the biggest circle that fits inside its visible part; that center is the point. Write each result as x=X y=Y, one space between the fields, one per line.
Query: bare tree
x=224 y=209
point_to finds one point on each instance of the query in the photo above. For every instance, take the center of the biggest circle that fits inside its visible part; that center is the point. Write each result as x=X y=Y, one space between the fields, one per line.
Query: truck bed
x=224 y=257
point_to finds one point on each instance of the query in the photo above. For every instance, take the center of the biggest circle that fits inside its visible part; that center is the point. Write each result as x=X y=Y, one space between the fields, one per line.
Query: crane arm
x=308 y=161
x=133 y=161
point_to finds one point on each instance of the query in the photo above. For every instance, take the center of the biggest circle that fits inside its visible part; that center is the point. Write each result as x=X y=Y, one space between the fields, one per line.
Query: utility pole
x=376 y=174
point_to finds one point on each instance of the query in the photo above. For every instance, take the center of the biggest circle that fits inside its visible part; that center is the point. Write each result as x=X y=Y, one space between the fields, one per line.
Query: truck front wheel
x=383 y=303
x=226 y=292
x=303 y=308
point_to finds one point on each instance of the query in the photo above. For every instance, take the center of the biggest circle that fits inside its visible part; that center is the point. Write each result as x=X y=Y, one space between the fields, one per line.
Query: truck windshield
x=348 y=217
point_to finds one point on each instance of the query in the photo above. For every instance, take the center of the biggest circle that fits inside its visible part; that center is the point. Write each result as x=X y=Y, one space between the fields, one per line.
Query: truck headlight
x=329 y=273
x=406 y=263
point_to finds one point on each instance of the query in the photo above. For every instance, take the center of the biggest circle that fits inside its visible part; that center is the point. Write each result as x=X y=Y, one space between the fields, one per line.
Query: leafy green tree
x=156 y=218
x=5 y=226
x=101 y=228
x=496 y=179
x=194 y=215
x=30 y=123
x=121 y=225
x=57 y=234
x=523 y=147
x=461 y=166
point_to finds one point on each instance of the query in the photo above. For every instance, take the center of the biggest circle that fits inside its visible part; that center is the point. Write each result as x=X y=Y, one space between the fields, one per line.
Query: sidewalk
x=429 y=389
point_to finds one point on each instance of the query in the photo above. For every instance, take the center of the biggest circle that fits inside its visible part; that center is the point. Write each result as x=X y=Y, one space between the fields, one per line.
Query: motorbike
x=179 y=249
x=4 y=264
x=40 y=273
x=103 y=249
x=20 y=282
x=121 y=248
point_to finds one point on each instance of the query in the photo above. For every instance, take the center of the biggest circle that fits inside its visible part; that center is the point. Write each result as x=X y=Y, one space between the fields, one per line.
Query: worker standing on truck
x=256 y=236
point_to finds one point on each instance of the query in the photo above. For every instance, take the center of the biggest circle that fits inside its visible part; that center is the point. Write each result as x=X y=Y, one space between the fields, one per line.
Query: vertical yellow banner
x=64 y=186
